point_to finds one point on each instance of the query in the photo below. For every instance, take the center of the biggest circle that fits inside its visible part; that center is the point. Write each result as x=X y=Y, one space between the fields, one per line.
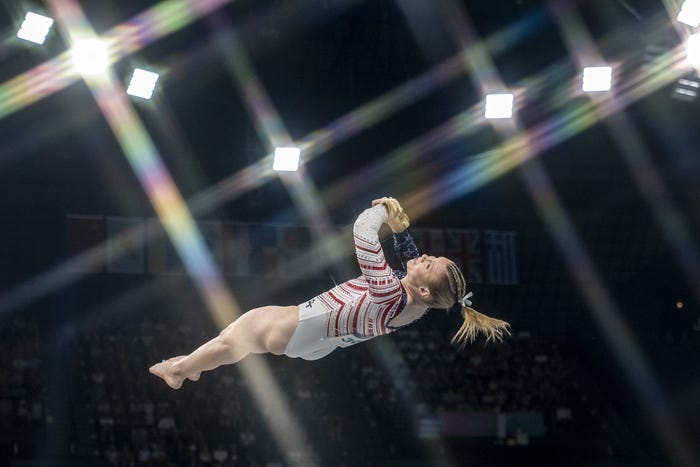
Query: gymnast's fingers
x=378 y=201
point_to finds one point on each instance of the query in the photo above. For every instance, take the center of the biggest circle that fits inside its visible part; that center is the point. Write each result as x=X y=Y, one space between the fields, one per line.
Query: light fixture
x=90 y=57
x=142 y=83
x=690 y=13
x=35 y=27
x=286 y=159
x=692 y=50
x=499 y=106
x=597 y=78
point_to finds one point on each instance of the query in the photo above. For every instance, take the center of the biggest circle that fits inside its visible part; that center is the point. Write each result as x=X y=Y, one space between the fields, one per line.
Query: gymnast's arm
x=370 y=257
x=405 y=247
x=397 y=219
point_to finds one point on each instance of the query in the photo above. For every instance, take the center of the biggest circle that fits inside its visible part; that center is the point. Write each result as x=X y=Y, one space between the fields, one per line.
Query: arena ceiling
x=384 y=94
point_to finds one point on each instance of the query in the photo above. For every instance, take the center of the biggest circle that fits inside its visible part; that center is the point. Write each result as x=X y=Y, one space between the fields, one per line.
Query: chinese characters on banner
x=485 y=256
x=272 y=250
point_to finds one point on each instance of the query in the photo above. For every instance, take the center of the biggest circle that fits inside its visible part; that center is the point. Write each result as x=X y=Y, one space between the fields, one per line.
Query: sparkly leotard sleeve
x=363 y=306
x=404 y=247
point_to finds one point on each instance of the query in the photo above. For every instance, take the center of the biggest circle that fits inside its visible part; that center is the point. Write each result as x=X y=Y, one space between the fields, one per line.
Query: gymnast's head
x=437 y=282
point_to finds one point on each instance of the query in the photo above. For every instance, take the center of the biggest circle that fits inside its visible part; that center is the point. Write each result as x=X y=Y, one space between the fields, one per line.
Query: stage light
x=286 y=159
x=90 y=57
x=34 y=28
x=690 y=13
x=142 y=83
x=499 y=106
x=692 y=50
x=597 y=78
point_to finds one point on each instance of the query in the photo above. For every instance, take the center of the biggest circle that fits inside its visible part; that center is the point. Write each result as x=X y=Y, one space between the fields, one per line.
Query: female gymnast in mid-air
x=378 y=302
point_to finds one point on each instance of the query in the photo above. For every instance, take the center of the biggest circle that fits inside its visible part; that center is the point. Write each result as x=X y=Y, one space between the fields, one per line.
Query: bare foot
x=166 y=372
x=193 y=376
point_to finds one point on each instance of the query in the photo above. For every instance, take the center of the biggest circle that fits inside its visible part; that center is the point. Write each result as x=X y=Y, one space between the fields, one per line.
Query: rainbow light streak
x=268 y=123
x=408 y=93
x=562 y=126
x=186 y=238
x=36 y=84
x=57 y=74
x=619 y=337
x=159 y=21
x=307 y=199
x=261 y=172
x=636 y=155
x=673 y=7
x=607 y=314
x=668 y=216
x=65 y=273
x=168 y=203
x=489 y=165
x=161 y=190
x=484 y=74
x=483 y=168
x=286 y=429
x=394 y=364
x=458 y=126
x=271 y=129
x=258 y=173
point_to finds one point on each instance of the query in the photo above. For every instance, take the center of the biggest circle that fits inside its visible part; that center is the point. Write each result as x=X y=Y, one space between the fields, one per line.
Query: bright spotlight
x=35 y=28
x=597 y=78
x=499 y=106
x=286 y=159
x=90 y=57
x=690 y=13
x=692 y=49
x=142 y=83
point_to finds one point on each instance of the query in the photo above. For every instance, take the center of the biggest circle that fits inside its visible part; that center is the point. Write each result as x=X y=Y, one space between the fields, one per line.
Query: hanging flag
x=501 y=257
x=212 y=233
x=125 y=245
x=161 y=257
x=463 y=246
x=82 y=234
x=295 y=240
x=266 y=250
x=236 y=249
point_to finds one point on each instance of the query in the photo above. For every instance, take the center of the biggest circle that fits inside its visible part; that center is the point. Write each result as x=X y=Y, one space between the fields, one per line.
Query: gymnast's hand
x=396 y=218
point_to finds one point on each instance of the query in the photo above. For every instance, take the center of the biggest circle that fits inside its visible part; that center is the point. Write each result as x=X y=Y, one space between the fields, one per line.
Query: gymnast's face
x=427 y=270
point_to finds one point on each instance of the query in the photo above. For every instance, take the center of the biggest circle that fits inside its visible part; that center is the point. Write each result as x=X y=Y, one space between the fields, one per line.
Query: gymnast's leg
x=261 y=330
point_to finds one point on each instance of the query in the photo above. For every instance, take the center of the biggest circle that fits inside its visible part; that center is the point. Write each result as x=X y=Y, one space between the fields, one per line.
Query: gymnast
x=378 y=302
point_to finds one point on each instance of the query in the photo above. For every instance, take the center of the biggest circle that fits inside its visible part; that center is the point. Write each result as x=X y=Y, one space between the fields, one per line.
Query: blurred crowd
x=358 y=406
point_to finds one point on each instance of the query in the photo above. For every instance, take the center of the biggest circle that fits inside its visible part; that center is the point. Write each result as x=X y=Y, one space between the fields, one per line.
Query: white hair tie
x=465 y=300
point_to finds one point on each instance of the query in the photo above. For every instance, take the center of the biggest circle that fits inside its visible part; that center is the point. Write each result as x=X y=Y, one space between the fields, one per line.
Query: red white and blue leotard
x=360 y=308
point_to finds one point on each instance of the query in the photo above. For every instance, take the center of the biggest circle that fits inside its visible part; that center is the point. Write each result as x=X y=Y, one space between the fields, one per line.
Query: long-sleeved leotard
x=363 y=306
x=404 y=247
x=360 y=308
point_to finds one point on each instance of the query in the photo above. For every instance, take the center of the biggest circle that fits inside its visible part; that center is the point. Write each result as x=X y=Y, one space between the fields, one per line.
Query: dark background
x=318 y=60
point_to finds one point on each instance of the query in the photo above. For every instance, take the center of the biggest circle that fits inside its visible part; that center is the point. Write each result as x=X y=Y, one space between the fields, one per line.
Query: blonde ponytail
x=474 y=323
